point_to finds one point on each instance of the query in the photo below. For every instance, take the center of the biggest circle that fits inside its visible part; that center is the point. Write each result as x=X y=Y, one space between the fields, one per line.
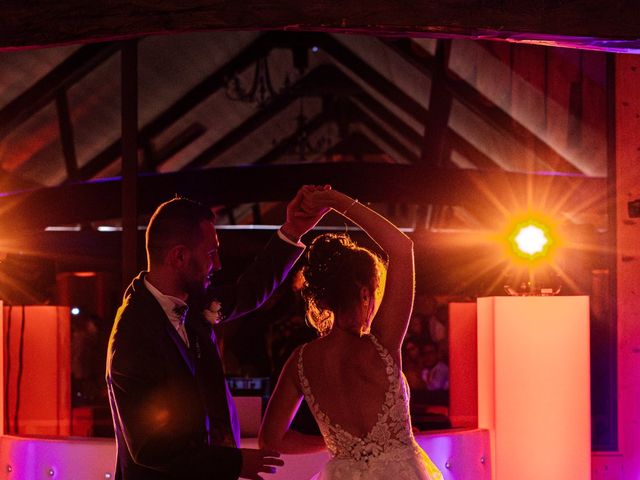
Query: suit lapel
x=156 y=311
x=185 y=353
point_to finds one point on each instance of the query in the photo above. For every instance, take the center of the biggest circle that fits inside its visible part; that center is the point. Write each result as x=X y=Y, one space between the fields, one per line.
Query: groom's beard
x=199 y=297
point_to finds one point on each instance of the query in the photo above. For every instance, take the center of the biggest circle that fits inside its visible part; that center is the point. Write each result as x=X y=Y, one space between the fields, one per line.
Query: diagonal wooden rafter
x=207 y=87
x=257 y=48
x=318 y=82
x=154 y=158
x=382 y=133
x=329 y=114
x=58 y=80
x=463 y=92
x=481 y=105
x=328 y=77
x=310 y=84
x=368 y=74
x=453 y=140
x=354 y=145
x=286 y=144
x=339 y=52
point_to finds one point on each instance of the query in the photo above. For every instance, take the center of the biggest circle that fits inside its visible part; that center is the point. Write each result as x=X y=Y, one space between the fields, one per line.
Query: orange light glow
x=84 y=274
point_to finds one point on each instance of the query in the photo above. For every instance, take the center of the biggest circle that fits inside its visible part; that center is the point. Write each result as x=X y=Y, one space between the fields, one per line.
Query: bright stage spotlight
x=531 y=240
x=530 y=247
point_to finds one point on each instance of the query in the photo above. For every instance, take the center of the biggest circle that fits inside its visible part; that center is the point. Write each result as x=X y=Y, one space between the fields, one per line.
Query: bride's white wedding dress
x=388 y=451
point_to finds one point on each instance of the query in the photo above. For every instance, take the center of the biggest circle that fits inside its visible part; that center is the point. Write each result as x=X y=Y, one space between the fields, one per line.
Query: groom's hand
x=256 y=461
x=299 y=220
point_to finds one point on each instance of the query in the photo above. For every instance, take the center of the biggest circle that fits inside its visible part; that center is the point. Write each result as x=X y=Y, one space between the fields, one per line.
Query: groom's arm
x=270 y=268
x=267 y=271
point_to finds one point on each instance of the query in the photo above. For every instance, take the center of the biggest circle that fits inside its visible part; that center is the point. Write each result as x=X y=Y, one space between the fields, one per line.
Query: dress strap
x=301 y=378
x=392 y=368
x=384 y=353
x=306 y=390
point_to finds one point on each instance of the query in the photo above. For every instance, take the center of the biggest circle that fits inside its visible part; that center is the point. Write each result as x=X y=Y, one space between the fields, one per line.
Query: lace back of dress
x=392 y=429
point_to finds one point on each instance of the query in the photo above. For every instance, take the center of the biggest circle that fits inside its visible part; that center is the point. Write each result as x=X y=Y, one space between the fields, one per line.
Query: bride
x=351 y=376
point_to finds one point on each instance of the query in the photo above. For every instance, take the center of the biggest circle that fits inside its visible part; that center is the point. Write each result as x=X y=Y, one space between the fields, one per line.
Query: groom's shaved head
x=176 y=222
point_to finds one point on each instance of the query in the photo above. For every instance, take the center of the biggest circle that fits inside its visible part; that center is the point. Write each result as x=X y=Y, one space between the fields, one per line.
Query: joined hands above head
x=320 y=199
x=301 y=218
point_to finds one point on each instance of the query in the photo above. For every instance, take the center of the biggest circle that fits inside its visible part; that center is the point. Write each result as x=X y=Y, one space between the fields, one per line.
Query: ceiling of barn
x=210 y=100
x=427 y=125
x=334 y=97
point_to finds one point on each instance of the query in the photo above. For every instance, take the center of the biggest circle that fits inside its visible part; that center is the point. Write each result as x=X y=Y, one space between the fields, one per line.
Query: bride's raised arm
x=391 y=321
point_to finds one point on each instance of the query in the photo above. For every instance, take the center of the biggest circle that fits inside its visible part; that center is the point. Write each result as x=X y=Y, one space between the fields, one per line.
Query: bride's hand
x=320 y=198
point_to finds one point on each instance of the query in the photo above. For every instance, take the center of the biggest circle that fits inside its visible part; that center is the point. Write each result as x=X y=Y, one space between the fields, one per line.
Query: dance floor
x=460 y=454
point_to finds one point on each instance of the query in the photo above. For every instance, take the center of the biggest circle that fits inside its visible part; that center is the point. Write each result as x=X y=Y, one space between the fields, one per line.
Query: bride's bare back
x=348 y=380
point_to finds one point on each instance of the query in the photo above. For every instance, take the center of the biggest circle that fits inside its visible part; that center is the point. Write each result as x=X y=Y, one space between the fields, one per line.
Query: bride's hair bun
x=336 y=269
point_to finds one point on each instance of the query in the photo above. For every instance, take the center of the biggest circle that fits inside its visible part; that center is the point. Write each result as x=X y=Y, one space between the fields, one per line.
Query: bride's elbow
x=407 y=242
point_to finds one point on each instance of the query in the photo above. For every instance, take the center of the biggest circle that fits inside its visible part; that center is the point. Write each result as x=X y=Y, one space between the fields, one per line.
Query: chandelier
x=261 y=89
x=302 y=145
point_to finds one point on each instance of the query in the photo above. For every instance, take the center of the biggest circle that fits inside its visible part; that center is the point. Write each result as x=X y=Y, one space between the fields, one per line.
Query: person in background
x=435 y=373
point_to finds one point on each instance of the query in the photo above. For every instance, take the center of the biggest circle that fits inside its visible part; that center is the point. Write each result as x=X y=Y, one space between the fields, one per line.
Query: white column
x=533 y=386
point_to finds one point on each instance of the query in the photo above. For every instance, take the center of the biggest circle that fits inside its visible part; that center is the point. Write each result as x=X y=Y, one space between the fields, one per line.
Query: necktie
x=181 y=313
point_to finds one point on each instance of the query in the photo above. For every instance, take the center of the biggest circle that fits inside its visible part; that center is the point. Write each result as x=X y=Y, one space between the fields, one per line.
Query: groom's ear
x=365 y=294
x=177 y=256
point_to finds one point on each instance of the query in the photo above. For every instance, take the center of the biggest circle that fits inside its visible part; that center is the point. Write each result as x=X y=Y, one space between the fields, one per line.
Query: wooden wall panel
x=564 y=86
x=627 y=105
x=495 y=82
x=593 y=152
x=528 y=88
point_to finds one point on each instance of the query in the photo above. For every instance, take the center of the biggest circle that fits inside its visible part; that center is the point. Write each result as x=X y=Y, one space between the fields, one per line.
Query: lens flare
x=531 y=240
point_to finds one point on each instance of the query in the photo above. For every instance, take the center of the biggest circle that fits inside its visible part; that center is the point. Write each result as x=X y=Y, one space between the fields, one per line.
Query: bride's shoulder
x=304 y=349
x=307 y=349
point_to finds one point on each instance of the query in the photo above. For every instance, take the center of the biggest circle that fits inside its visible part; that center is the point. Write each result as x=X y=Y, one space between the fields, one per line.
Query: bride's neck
x=346 y=325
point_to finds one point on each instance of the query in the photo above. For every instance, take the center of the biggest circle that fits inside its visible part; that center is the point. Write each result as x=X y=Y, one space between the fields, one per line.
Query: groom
x=173 y=414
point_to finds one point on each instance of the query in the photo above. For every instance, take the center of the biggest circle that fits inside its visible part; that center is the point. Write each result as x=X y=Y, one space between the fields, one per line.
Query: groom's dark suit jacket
x=173 y=414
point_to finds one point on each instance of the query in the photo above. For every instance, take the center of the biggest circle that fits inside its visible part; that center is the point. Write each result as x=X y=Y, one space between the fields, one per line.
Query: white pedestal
x=533 y=386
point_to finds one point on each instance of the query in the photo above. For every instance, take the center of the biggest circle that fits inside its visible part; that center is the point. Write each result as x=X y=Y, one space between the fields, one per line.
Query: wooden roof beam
x=594 y=24
x=84 y=202
x=57 y=81
x=394 y=122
